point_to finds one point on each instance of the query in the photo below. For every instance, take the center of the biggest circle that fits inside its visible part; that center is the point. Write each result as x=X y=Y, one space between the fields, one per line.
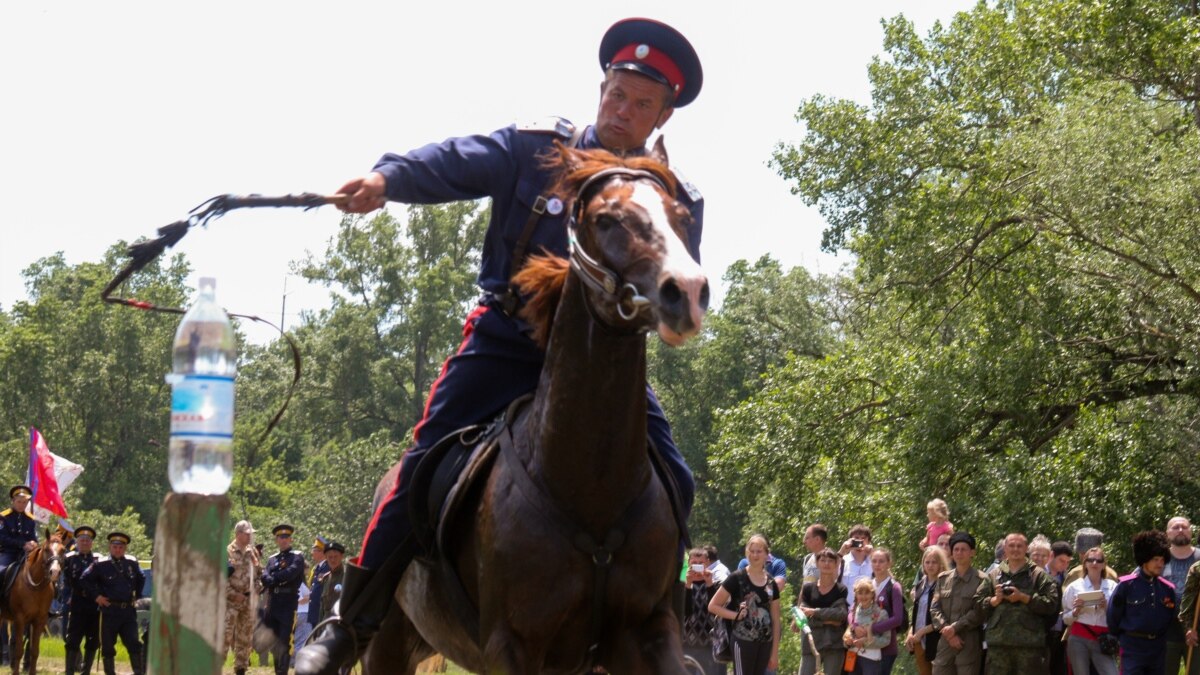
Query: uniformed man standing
x=650 y=69
x=116 y=583
x=954 y=613
x=331 y=581
x=18 y=531
x=83 y=615
x=282 y=578
x=1142 y=608
x=244 y=572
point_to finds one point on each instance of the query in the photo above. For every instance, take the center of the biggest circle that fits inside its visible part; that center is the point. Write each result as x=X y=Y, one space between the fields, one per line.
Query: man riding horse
x=649 y=70
x=18 y=531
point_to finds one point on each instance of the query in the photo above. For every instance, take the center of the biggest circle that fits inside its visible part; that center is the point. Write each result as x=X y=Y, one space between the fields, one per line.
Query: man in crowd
x=856 y=559
x=815 y=536
x=719 y=571
x=240 y=593
x=1087 y=538
x=955 y=614
x=1188 y=617
x=116 y=583
x=1056 y=644
x=281 y=580
x=649 y=71
x=1016 y=599
x=83 y=615
x=332 y=578
x=316 y=610
x=697 y=621
x=1183 y=556
x=1142 y=608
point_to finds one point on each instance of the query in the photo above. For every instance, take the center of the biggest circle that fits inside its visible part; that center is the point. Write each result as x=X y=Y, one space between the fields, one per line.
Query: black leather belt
x=119 y=605
x=277 y=591
x=1139 y=634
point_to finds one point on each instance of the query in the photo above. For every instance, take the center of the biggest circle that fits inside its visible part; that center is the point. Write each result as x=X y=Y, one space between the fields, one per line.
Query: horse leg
x=652 y=648
x=35 y=642
x=397 y=647
x=16 y=646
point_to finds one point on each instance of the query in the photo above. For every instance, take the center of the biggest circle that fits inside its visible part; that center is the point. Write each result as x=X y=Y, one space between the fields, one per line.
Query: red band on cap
x=655 y=59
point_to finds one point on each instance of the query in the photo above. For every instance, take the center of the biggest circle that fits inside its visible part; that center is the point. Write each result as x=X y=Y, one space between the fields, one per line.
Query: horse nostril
x=670 y=293
x=704 y=297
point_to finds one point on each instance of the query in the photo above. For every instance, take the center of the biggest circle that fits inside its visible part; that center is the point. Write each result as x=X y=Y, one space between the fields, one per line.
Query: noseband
x=624 y=295
x=47 y=562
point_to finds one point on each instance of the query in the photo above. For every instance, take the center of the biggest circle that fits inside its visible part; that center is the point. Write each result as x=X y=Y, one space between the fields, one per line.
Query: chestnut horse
x=28 y=602
x=577 y=468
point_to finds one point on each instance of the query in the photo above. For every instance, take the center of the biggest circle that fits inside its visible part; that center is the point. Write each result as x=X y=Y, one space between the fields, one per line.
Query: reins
x=144 y=252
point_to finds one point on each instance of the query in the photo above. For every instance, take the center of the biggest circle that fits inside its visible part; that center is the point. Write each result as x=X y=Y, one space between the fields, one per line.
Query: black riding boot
x=73 y=657
x=89 y=657
x=110 y=665
x=342 y=641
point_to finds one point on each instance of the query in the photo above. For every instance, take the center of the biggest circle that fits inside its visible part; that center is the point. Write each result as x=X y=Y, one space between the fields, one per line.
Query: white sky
x=118 y=117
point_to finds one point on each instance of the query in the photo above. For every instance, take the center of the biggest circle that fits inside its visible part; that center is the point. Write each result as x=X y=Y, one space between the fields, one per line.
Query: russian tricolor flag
x=49 y=476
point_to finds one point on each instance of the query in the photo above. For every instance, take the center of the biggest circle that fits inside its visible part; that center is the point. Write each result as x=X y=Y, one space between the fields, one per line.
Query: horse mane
x=542 y=279
x=543 y=276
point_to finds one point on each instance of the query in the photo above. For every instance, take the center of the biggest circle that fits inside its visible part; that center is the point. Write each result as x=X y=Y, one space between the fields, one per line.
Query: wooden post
x=187 y=620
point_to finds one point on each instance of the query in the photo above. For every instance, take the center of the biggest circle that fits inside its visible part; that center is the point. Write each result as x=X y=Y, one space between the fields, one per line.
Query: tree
x=1020 y=198
x=768 y=314
x=90 y=377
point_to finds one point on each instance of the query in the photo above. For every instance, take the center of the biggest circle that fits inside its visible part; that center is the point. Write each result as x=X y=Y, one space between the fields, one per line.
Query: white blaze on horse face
x=682 y=286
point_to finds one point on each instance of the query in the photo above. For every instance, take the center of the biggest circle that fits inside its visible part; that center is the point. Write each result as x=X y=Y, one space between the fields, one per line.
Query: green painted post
x=187 y=620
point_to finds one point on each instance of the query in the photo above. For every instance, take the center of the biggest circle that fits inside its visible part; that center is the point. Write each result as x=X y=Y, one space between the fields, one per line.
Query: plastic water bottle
x=204 y=366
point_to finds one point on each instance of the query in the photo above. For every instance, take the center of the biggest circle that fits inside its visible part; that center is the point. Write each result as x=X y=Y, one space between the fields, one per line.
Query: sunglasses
x=1095 y=560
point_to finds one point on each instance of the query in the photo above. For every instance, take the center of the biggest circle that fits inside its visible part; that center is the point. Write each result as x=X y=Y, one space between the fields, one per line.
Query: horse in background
x=28 y=601
x=571 y=550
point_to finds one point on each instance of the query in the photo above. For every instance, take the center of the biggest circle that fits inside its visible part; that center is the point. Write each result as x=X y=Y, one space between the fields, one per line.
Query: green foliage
x=141 y=544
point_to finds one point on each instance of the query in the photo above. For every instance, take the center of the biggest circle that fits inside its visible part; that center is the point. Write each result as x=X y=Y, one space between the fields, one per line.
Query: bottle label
x=202 y=405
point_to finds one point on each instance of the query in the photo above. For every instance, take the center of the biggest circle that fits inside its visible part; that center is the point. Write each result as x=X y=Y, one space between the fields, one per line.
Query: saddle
x=10 y=576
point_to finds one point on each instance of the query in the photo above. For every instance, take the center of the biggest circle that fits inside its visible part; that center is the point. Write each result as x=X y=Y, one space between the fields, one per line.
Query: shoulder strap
x=512 y=296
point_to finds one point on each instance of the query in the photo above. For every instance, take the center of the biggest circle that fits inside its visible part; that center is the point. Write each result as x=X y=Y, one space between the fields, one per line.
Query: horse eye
x=606 y=222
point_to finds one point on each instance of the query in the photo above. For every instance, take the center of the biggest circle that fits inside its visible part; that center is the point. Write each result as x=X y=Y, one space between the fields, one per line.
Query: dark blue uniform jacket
x=503 y=165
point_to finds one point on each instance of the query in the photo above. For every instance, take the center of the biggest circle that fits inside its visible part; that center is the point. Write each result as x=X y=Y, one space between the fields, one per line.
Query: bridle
x=624 y=295
x=47 y=563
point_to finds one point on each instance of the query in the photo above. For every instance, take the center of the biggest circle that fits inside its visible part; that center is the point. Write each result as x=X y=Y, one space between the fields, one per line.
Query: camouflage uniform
x=1016 y=632
x=239 y=615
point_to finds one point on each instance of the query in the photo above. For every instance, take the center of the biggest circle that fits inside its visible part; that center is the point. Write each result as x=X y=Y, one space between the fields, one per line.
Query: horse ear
x=659 y=152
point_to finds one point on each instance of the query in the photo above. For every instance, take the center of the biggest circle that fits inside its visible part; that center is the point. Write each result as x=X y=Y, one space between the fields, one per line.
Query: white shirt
x=852 y=572
x=719 y=570
x=1090 y=615
x=302 y=607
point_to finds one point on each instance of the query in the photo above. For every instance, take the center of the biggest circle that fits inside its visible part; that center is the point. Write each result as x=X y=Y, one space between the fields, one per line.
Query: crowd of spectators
x=1036 y=607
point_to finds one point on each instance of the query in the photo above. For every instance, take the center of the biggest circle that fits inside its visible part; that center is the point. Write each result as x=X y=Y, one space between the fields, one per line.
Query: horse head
x=628 y=244
x=51 y=554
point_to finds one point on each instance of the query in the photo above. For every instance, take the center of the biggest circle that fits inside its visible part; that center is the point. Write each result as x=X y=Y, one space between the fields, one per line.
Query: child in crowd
x=859 y=640
x=939 y=522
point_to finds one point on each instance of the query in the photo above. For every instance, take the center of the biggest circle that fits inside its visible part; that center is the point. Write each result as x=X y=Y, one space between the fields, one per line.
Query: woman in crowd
x=823 y=602
x=755 y=633
x=922 y=638
x=697 y=622
x=861 y=639
x=1040 y=551
x=1085 y=613
x=891 y=599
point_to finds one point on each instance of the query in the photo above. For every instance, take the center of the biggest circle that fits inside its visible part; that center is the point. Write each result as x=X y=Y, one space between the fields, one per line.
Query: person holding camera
x=1085 y=607
x=698 y=623
x=1017 y=599
x=856 y=559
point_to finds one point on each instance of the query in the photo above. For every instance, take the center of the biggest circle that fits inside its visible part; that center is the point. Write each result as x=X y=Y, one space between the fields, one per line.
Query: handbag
x=850 y=661
x=1109 y=644
x=722 y=646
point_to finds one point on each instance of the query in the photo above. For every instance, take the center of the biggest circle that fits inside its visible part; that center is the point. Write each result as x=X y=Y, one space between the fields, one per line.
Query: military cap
x=963 y=537
x=118 y=538
x=85 y=531
x=657 y=51
x=335 y=546
x=283 y=529
x=321 y=543
x=20 y=490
